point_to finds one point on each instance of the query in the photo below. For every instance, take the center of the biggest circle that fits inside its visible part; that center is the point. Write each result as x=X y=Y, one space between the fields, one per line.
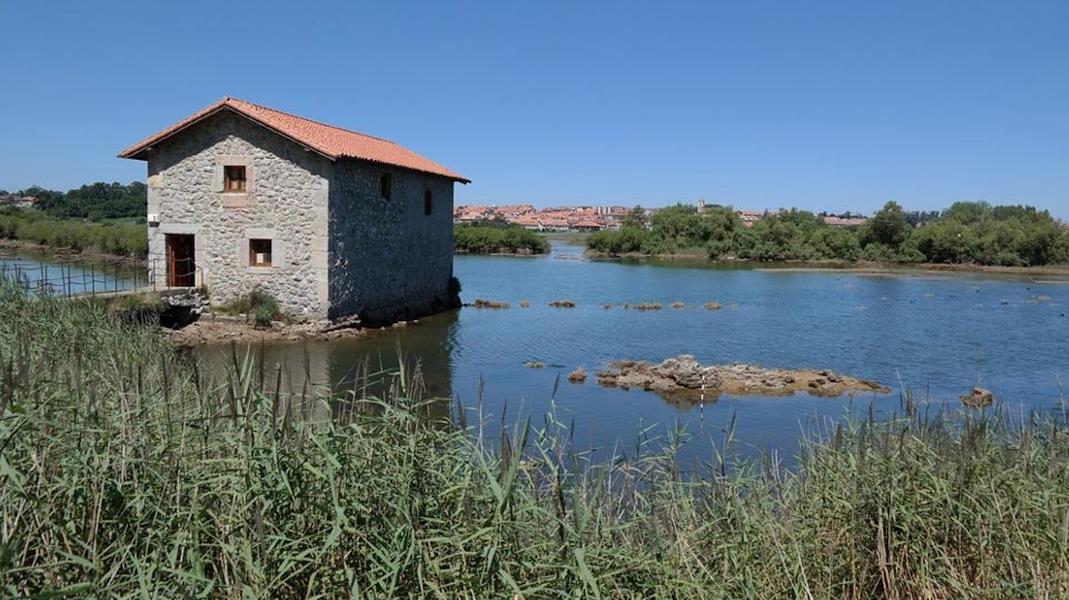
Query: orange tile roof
x=332 y=142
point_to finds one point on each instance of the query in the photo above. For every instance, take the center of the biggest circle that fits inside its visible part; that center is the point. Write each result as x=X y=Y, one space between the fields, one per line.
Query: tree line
x=966 y=233
x=95 y=201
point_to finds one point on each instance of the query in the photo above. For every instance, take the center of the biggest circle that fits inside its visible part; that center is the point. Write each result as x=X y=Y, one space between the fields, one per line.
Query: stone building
x=330 y=222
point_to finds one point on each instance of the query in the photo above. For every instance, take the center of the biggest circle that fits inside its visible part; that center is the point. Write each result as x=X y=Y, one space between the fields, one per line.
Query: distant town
x=597 y=218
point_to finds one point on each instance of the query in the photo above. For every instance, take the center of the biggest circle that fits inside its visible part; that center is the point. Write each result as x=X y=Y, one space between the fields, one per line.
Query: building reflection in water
x=318 y=378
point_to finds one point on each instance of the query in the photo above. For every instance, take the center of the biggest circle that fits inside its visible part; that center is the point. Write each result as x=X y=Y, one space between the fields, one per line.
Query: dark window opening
x=259 y=253
x=385 y=186
x=428 y=202
x=235 y=178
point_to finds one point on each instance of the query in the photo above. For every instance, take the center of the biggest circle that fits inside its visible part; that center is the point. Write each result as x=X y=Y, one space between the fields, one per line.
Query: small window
x=385 y=186
x=235 y=178
x=259 y=253
x=428 y=202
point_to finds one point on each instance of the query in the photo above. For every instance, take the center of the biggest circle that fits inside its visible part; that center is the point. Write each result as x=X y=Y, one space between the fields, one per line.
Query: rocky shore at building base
x=683 y=375
x=210 y=330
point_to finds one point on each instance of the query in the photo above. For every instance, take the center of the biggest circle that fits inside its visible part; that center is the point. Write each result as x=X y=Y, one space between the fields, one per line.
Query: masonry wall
x=286 y=201
x=387 y=259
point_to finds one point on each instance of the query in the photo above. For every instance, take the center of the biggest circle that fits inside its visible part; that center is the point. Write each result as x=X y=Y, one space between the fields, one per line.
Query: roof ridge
x=295 y=116
x=331 y=141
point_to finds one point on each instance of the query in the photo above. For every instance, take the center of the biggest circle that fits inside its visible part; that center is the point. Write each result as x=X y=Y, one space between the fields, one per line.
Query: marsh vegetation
x=127 y=470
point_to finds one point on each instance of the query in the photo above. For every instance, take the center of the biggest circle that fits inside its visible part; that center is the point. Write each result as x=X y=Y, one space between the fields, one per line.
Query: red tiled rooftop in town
x=328 y=140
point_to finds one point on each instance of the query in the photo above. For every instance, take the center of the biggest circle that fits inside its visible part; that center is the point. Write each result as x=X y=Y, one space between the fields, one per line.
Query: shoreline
x=1060 y=272
x=876 y=268
x=69 y=254
x=518 y=254
x=63 y=253
x=895 y=268
x=214 y=329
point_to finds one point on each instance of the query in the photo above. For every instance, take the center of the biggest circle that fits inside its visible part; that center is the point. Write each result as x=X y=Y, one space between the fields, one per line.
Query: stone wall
x=338 y=247
x=286 y=201
x=387 y=259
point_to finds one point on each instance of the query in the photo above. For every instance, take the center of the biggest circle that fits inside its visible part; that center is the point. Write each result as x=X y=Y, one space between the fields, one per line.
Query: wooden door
x=181 y=269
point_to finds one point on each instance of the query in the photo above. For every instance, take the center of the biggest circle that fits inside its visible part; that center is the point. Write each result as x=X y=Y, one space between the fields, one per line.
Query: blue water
x=937 y=335
x=42 y=275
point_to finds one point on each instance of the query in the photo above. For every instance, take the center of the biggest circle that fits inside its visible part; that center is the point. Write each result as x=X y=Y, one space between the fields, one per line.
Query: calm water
x=40 y=273
x=938 y=335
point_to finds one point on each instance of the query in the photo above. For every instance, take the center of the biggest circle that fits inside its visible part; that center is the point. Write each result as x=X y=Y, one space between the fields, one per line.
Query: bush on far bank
x=966 y=233
x=492 y=238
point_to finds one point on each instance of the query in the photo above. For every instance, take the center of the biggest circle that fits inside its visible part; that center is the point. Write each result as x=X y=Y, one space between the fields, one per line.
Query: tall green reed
x=128 y=470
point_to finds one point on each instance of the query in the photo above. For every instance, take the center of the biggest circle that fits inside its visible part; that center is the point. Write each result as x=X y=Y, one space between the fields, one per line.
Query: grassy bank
x=113 y=238
x=127 y=470
x=578 y=238
x=497 y=239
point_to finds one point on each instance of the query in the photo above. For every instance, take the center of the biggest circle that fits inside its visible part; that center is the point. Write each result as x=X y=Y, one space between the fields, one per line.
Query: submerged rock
x=684 y=375
x=978 y=398
x=562 y=304
x=534 y=364
x=482 y=303
x=713 y=306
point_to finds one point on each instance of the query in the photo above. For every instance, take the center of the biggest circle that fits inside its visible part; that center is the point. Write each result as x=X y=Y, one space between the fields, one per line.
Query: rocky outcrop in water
x=978 y=398
x=684 y=375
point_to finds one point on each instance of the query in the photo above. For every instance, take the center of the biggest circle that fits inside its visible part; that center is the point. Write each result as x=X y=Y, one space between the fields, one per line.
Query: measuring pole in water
x=701 y=402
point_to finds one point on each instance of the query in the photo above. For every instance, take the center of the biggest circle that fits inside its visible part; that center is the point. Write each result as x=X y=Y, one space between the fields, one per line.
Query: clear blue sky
x=838 y=106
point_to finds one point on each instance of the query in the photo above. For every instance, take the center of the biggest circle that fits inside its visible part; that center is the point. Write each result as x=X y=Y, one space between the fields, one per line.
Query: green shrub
x=265 y=314
x=257 y=305
x=968 y=232
x=491 y=238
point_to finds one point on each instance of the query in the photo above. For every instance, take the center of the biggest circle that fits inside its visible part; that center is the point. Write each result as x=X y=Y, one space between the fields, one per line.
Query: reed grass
x=128 y=470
